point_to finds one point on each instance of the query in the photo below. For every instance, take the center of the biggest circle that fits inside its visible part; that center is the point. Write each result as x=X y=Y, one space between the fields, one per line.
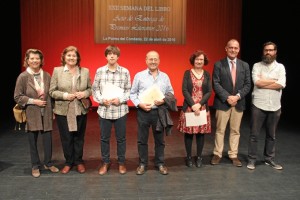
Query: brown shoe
x=215 y=160
x=66 y=169
x=236 y=162
x=141 y=170
x=163 y=170
x=103 y=170
x=122 y=169
x=81 y=168
x=53 y=169
x=35 y=173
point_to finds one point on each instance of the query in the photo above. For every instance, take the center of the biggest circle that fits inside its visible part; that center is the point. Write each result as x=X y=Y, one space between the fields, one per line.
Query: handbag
x=86 y=102
x=20 y=115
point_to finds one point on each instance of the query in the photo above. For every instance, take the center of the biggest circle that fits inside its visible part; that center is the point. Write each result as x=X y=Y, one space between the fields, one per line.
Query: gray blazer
x=61 y=82
x=24 y=90
x=223 y=86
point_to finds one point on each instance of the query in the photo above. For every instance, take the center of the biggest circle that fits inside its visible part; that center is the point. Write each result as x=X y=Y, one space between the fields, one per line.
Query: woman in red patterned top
x=196 y=89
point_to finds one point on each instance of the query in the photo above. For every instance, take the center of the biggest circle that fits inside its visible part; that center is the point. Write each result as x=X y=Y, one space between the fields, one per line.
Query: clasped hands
x=78 y=95
x=114 y=101
x=196 y=108
x=232 y=100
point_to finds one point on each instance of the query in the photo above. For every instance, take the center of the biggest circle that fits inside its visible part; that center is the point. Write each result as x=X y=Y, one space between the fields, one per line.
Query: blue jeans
x=145 y=121
x=258 y=119
x=120 y=131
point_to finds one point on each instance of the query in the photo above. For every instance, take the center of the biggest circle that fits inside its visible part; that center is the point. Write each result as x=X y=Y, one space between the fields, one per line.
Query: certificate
x=193 y=120
x=111 y=91
x=151 y=94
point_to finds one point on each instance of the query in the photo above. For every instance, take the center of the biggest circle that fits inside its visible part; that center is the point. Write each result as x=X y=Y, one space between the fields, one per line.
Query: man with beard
x=269 y=79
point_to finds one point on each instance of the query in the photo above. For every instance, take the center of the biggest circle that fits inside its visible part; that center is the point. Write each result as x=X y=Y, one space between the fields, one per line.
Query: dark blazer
x=165 y=122
x=187 y=88
x=223 y=86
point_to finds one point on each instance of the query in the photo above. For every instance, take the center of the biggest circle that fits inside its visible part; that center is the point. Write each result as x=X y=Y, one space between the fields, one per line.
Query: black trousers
x=47 y=145
x=72 y=142
x=145 y=121
x=258 y=119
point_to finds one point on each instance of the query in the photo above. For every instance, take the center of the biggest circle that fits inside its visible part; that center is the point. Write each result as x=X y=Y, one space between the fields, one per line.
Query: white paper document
x=111 y=91
x=151 y=94
x=193 y=120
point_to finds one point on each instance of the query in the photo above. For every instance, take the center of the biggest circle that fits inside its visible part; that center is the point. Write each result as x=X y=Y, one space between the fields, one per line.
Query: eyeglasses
x=266 y=50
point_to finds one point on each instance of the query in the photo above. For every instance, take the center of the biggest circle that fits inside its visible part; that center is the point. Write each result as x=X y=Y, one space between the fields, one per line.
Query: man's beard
x=268 y=59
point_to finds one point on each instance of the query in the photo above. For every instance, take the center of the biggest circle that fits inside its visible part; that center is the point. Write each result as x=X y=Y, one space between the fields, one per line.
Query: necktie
x=233 y=72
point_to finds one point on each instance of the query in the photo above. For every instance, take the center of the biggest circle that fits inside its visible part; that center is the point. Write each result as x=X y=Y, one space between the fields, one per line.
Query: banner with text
x=140 y=21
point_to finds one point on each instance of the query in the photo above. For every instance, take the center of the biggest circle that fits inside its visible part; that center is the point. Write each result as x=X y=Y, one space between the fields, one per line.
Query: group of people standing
x=46 y=98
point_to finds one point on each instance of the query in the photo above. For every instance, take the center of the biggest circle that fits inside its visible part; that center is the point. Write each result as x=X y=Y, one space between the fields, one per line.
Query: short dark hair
x=270 y=43
x=196 y=54
x=112 y=49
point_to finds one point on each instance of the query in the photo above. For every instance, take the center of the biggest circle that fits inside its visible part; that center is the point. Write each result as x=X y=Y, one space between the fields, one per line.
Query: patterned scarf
x=38 y=82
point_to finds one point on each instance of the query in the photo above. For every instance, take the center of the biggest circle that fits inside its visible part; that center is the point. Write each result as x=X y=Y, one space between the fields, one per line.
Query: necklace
x=198 y=75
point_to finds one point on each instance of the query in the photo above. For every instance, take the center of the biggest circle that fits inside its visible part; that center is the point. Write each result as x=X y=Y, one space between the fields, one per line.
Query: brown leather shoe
x=103 y=170
x=141 y=170
x=53 y=169
x=81 y=168
x=122 y=169
x=236 y=162
x=66 y=169
x=215 y=160
x=163 y=170
x=35 y=173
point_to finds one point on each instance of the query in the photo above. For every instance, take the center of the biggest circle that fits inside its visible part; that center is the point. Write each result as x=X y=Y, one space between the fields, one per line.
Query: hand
x=145 y=106
x=115 y=101
x=40 y=103
x=196 y=107
x=197 y=112
x=79 y=95
x=159 y=102
x=107 y=102
x=71 y=97
x=232 y=100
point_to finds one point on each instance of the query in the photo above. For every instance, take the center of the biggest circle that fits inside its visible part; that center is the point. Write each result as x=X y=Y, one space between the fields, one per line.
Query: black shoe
x=198 y=161
x=251 y=164
x=273 y=164
x=189 y=161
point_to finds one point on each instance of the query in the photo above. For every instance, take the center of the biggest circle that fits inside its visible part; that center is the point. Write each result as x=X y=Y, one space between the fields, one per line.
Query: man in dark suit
x=231 y=83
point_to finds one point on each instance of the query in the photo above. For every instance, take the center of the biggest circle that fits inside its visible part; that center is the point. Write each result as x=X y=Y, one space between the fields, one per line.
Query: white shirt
x=268 y=99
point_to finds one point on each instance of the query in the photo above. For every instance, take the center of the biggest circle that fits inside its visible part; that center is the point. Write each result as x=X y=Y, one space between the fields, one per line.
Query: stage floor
x=223 y=181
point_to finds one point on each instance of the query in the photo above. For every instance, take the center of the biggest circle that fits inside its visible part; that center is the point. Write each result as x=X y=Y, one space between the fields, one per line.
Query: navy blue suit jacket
x=223 y=86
